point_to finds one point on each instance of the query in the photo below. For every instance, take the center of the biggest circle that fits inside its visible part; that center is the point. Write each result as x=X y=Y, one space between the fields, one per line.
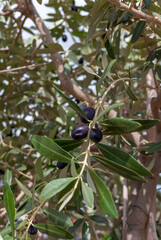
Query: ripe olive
x=80 y=132
x=64 y=38
x=32 y=230
x=89 y=112
x=96 y=135
x=81 y=60
x=83 y=106
x=61 y=165
x=74 y=8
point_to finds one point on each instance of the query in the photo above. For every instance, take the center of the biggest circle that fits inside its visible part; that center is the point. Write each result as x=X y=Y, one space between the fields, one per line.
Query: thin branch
x=66 y=84
x=30 y=67
x=139 y=14
x=20 y=30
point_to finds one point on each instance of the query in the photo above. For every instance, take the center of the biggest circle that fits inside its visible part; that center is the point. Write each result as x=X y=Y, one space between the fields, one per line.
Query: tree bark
x=142 y=205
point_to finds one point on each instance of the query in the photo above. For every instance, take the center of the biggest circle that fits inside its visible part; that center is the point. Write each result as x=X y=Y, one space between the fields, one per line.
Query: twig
x=136 y=12
x=12 y=147
x=30 y=67
x=19 y=32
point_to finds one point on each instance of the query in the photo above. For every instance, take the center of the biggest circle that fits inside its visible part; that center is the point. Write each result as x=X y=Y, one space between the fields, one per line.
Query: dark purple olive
x=32 y=230
x=96 y=135
x=74 y=8
x=80 y=132
x=64 y=38
x=89 y=112
x=83 y=106
x=81 y=60
x=61 y=165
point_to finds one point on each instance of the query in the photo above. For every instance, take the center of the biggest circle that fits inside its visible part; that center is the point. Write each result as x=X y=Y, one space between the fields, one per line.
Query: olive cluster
x=81 y=131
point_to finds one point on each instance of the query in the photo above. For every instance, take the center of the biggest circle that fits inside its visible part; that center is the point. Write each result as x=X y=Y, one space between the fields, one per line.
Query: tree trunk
x=140 y=221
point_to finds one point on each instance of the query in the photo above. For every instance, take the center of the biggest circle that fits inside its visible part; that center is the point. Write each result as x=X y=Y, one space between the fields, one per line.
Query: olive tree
x=80 y=120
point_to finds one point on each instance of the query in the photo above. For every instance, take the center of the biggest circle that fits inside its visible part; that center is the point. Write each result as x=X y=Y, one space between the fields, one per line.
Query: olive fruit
x=61 y=165
x=83 y=106
x=32 y=230
x=81 y=60
x=96 y=135
x=74 y=8
x=89 y=112
x=64 y=38
x=80 y=132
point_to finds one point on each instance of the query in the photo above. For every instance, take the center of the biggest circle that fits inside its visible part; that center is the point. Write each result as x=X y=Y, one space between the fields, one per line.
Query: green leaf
x=153 y=147
x=138 y=31
x=54 y=187
x=9 y=205
x=58 y=218
x=48 y=148
x=99 y=219
x=87 y=195
x=71 y=103
x=155 y=53
x=54 y=231
x=146 y=123
x=38 y=168
x=90 y=70
x=130 y=92
x=147 y=3
x=119 y=126
x=54 y=47
x=105 y=198
x=23 y=188
x=122 y=158
x=13 y=151
x=108 y=109
x=117 y=168
x=105 y=73
x=8 y=177
x=86 y=233
x=68 y=144
x=76 y=225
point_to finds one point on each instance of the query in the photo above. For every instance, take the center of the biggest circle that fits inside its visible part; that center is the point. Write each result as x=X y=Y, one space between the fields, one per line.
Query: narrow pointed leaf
x=87 y=195
x=122 y=158
x=130 y=92
x=105 y=198
x=54 y=231
x=90 y=70
x=76 y=225
x=120 y=169
x=108 y=109
x=146 y=123
x=119 y=126
x=138 y=31
x=38 y=168
x=68 y=144
x=86 y=233
x=153 y=147
x=8 y=177
x=58 y=218
x=54 y=187
x=105 y=73
x=71 y=103
x=48 y=148
x=99 y=219
x=9 y=204
x=23 y=188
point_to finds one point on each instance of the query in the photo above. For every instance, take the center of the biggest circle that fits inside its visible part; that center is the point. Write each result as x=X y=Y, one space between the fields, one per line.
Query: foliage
x=37 y=117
